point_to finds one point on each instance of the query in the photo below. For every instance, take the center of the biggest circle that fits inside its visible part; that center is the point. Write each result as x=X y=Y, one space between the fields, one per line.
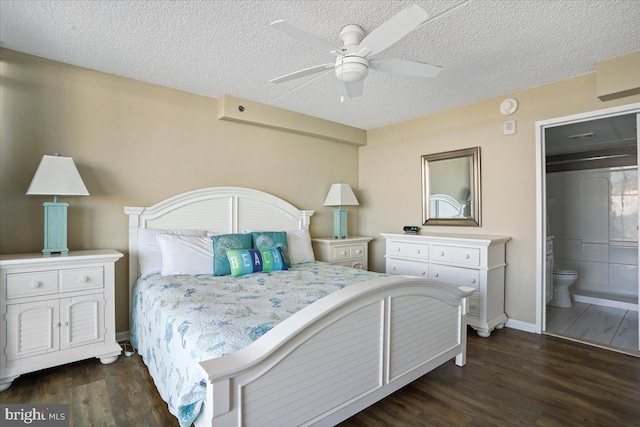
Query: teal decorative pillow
x=247 y=261
x=272 y=239
x=221 y=243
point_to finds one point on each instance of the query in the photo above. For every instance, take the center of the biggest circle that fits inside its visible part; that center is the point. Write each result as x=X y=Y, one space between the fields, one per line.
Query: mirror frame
x=474 y=220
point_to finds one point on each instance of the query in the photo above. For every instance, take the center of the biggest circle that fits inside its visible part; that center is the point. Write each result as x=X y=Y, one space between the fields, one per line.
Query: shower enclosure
x=587 y=199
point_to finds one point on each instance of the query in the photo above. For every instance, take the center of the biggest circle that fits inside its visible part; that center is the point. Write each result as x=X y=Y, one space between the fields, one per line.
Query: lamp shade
x=341 y=195
x=57 y=176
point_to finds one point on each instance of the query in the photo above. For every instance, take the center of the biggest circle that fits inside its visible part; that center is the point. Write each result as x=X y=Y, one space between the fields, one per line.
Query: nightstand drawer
x=351 y=251
x=32 y=284
x=81 y=278
x=359 y=264
x=341 y=253
x=356 y=251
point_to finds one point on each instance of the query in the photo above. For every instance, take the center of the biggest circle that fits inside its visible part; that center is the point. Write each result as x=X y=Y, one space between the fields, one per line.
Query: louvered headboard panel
x=216 y=209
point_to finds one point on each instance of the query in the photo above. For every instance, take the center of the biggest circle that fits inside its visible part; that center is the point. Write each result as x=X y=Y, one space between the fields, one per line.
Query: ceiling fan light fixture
x=351 y=68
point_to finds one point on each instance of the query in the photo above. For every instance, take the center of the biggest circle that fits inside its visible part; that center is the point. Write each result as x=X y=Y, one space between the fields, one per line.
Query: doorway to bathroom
x=588 y=216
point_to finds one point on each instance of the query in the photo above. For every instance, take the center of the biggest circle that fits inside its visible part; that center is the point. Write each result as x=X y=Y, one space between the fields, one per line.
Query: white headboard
x=219 y=210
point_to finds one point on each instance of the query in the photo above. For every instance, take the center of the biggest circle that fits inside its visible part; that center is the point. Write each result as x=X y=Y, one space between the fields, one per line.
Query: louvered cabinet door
x=32 y=329
x=81 y=320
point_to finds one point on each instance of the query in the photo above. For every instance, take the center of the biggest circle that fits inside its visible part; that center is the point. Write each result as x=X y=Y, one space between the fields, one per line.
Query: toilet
x=562 y=279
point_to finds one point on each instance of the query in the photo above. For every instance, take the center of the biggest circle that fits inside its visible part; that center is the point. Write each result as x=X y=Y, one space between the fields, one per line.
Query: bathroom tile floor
x=612 y=328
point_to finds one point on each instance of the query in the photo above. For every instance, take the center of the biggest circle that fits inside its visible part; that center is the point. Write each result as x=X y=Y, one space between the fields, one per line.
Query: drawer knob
x=441 y=253
x=56 y=325
x=34 y=285
x=424 y=273
x=65 y=323
x=343 y=253
x=398 y=249
x=436 y=274
x=358 y=251
x=473 y=280
x=393 y=267
x=466 y=256
x=83 y=279
x=417 y=251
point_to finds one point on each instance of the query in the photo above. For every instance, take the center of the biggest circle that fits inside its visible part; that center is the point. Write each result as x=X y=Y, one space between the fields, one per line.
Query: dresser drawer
x=32 y=284
x=81 y=278
x=441 y=253
x=456 y=275
x=409 y=250
x=410 y=268
x=468 y=256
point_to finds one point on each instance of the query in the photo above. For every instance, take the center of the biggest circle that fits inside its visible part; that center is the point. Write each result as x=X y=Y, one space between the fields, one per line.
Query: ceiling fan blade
x=302 y=73
x=404 y=67
x=393 y=30
x=354 y=89
x=306 y=37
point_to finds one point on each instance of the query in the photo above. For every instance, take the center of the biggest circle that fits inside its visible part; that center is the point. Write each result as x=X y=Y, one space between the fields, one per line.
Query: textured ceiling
x=487 y=48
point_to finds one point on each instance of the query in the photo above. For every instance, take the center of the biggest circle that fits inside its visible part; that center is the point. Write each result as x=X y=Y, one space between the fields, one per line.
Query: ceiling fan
x=353 y=59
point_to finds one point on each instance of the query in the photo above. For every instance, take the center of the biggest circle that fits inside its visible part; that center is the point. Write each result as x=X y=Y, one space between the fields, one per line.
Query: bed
x=336 y=339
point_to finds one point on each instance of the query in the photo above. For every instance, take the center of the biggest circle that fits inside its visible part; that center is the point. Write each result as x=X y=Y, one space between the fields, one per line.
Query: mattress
x=178 y=321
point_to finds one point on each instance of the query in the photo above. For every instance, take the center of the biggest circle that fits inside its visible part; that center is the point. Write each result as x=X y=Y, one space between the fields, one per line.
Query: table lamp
x=340 y=195
x=56 y=176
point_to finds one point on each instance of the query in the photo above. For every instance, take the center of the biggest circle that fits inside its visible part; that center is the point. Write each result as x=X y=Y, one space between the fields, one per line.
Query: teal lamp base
x=339 y=223
x=55 y=228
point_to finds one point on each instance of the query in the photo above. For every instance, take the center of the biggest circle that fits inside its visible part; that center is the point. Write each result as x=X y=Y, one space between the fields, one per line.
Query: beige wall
x=392 y=199
x=136 y=144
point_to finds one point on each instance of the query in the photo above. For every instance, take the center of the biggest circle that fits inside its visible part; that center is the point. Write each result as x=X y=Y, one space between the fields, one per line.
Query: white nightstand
x=56 y=309
x=352 y=251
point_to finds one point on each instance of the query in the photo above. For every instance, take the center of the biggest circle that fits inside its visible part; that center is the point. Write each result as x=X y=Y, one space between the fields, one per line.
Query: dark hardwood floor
x=512 y=378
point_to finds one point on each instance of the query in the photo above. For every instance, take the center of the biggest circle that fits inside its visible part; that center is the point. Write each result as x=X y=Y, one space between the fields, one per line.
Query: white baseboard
x=605 y=302
x=122 y=336
x=520 y=325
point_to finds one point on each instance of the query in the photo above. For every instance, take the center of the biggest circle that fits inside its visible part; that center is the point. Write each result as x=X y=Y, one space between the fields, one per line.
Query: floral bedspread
x=178 y=321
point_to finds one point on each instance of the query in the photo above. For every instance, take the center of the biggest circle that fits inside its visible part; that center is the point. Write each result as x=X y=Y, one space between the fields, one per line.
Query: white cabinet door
x=32 y=329
x=81 y=320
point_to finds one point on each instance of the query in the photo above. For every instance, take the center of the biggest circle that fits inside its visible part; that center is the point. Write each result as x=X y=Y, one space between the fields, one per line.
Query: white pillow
x=149 y=256
x=185 y=254
x=300 y=249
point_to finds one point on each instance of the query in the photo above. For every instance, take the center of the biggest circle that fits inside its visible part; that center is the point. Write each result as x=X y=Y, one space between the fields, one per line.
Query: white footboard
x=339 y=355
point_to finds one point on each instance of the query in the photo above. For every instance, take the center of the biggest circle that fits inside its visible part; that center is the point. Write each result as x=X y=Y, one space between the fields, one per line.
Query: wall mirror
x=451 y=188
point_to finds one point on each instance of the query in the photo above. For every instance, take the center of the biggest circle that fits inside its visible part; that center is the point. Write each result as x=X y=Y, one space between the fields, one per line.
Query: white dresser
x=352 y=251
x=56 y=309
x=465 y=260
